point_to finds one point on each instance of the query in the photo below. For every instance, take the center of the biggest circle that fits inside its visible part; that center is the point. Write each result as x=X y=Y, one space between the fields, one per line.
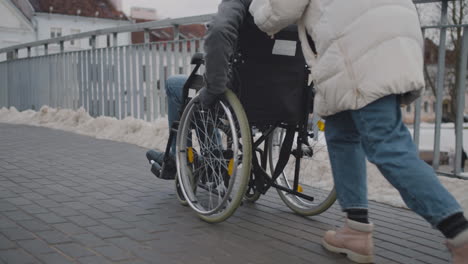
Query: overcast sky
x=175 y=8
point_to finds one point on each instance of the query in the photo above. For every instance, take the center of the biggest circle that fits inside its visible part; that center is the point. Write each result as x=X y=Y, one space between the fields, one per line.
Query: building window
x=55 y=32
x=446 y=108
x=426 y=107
x=434 y=107
x=408 y=108
x=75 y=42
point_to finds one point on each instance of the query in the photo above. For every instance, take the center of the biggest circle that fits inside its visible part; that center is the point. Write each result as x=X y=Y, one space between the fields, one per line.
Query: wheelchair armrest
x=198 y=59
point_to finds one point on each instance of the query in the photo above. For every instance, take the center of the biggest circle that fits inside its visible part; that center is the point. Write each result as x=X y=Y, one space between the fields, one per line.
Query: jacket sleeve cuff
x=262 y=12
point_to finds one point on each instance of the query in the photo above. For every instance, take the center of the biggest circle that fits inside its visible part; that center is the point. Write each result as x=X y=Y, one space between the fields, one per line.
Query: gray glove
x=207 y=99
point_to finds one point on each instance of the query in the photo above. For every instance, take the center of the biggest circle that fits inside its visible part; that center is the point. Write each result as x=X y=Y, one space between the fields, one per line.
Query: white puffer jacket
x=367 y=49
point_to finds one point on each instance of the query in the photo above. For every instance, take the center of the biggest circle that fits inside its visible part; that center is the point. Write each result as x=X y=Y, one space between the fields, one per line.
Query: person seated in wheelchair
x=232 y=39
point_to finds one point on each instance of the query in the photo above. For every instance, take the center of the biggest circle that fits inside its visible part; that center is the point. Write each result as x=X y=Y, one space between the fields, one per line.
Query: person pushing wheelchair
x=369 y=61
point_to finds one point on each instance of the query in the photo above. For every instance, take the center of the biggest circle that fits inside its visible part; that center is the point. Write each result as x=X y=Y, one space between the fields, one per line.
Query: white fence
x=113 y=81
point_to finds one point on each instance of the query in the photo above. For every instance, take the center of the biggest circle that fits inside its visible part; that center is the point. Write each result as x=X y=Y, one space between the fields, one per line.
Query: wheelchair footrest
x=166 y=172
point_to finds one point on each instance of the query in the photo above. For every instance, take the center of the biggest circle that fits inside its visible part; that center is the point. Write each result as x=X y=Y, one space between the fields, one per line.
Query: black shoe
x=169 y=169
x=165 y=170
x=155 y=156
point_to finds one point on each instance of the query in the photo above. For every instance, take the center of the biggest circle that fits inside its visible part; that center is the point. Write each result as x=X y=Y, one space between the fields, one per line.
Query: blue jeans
x=174 y=87
x=378 y=133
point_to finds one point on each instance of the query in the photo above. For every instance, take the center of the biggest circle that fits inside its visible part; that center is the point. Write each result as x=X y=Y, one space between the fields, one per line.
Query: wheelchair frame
x=260 y=180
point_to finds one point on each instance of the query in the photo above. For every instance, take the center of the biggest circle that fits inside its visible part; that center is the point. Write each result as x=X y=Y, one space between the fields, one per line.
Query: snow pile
x=129 y=130
x=154 y=135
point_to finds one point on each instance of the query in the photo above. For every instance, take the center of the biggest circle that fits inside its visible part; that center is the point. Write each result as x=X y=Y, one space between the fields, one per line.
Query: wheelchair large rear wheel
x=179 y=193
x=213 y=157
x=315 y=175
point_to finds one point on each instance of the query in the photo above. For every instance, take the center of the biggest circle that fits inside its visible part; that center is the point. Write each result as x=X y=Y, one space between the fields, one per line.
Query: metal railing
x=123 y=81
x=440 y=87
x=117 y=81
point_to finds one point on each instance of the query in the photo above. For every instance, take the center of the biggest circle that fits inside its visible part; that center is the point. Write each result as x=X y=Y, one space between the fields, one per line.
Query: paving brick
x=61 y=198
x=89 y=239
x=74 y=251
x=104 y=231
x=138 y=234
x=17 y=256
x=95 y=260
x=116 y=223
x=95 y=213
x=98 y=195
x=19 y=201
x=53 y=237
x=33 y=209
x=107 y=208
x=70 y=228
x=32 y=185
x=77 y=205
x=113 y=253
x=6 y=243
x=17 y=215
x=17 y=233
x=125 y=198
x=35 y=225
x=36 y=246
x=48 y=203
x=65 y=211
x=55 y=258
x=5 y=223
x=126 y=216
x=51 y=218
x=83 y=220
x=9 y=194
x=6 y=206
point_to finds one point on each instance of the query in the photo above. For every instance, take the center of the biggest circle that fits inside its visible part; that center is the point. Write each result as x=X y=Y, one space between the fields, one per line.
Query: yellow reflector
x=231 y=167
x=321 y=125
x=190 y=154
x=299 y=188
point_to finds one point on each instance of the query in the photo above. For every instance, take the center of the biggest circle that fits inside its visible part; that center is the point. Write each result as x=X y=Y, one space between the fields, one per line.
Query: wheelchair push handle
x=198 y=59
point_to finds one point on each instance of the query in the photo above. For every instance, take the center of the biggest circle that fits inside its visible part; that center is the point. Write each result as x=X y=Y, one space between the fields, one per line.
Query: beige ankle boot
x=458 y=246
x=354 y=239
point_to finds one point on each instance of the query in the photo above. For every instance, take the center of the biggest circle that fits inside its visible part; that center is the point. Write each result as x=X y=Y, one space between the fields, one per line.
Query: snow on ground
x=447 y=137
x=130 y=130
x=154 y=135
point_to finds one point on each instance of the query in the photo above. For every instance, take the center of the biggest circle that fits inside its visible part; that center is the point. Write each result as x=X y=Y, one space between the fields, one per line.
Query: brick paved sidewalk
x=66 y=198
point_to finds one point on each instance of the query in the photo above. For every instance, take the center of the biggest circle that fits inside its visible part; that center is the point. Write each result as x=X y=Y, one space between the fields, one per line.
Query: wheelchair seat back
x=270 y=75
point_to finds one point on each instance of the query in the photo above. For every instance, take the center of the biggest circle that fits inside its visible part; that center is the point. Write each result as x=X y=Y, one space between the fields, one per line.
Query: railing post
x=92 y=41
x=417 y=109
x=176 y=32
x=461 y=101
x=147 y=36
x=116 y=42
x=440 y=85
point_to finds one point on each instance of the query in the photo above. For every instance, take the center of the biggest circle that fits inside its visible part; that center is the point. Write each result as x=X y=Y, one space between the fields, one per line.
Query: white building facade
x=15 y=27
x=57 y=25
x=23 y=21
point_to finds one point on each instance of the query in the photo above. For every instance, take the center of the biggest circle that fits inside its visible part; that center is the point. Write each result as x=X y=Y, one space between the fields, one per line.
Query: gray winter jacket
x=221 y=42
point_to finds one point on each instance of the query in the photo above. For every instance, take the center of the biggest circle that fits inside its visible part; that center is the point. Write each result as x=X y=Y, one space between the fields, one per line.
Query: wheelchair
x=224 y=160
